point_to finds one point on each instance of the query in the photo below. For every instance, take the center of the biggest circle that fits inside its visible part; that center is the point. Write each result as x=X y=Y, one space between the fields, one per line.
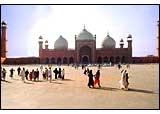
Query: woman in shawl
x=91 y=81
x=123 y=82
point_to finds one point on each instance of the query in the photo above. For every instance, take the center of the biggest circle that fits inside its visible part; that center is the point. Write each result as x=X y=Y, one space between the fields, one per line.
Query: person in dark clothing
x=99 y=66
x=127 y=79
x=11 y=72
x=82 y=66
x=44 y=75
x=26 y=74
x=55 y=72
x=19 y=69
x=119 y=66
x=59 y=73
x=4 y=74
x=37 y=74
x=85 y=71
x=91 y=81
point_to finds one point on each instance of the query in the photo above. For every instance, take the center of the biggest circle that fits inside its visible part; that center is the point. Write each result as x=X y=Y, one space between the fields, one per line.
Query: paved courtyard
x=73 y=92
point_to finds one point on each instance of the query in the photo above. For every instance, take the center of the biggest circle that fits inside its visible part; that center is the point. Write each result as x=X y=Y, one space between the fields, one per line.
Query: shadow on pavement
x=141 y=91
x=56 y=82
x=28 y=83
x=40 y=80
x=67 y=80
x=106 y=88
x=6 y=81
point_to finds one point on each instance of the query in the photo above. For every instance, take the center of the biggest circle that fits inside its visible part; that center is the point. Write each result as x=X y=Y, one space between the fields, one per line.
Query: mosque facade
x=85 y=51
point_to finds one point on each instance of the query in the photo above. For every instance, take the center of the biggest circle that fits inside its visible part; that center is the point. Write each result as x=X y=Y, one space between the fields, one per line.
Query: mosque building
x=85 y=50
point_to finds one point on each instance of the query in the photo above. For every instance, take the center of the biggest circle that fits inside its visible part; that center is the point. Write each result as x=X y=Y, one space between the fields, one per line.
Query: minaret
x=121 y=43
x=129 y=40
x=4 y=40
x=40 y=45
x=158 y=40
x=76 y=49
x=46 y=44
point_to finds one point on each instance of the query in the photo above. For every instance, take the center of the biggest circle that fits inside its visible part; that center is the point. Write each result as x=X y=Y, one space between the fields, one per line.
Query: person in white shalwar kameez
x=23 y=75
x=50 y=74
x=123 y=82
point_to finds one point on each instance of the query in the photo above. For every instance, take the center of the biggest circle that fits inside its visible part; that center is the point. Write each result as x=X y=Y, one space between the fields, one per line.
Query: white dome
x=61 y=43
x=108 y=42
x=85 y=35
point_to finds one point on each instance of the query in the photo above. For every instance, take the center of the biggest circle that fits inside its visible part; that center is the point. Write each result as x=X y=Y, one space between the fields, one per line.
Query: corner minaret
x=46 y=44
x=40 y=45
x=158 y=40
x=4 y=40
x=121 y=43
x=129 y=40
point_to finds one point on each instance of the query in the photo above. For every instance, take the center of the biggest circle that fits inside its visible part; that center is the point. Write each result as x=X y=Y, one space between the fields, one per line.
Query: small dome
x=40 y=37
x=61 y=43
x=85 y=35
x=46 y=41
x=121 y=40
x=108 y=42
x=4 y=23
x=129 y=36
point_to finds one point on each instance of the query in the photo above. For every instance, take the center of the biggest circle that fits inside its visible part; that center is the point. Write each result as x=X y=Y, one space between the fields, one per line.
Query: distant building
x=85 y=50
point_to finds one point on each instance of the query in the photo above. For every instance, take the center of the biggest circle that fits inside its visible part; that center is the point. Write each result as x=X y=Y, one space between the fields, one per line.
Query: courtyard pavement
x=73 y=92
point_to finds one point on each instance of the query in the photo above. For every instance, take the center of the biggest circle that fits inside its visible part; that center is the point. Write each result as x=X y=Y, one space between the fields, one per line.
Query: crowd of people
x=59 y=73
x=34 y=75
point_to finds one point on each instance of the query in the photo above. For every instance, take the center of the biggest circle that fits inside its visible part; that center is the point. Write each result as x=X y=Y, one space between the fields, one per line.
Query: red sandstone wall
x=27 y=60
x=145 y=59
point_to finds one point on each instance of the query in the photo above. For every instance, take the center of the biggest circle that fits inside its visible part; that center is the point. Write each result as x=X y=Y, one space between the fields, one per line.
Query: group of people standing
x=34 y=75
x=47 y=74
x=26 y=75
x=93 y=79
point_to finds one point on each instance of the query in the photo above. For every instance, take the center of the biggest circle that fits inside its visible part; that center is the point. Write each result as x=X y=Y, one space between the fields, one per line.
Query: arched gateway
x=85 y=54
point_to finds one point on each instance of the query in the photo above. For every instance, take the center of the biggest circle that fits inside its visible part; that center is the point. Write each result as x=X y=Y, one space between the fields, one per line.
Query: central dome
x=85 y=35
x=61 y=43
x=108 y=42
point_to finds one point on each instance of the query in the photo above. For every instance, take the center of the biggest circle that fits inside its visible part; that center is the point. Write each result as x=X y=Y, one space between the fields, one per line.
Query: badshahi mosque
x=85 y=51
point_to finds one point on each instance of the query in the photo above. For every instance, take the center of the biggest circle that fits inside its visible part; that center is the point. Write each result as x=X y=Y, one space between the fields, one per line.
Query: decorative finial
x=40 y=37
x=84 y=27
x=107 y=33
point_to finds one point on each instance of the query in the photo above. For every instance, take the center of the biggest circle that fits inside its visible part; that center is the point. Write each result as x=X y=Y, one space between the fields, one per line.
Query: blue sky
x=27 y=22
